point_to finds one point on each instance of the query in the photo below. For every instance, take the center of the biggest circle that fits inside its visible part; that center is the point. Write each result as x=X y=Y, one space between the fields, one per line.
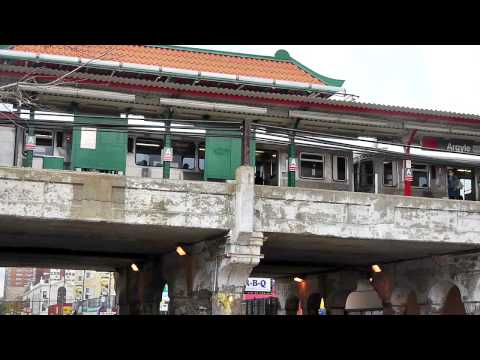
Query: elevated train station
x=255 y=166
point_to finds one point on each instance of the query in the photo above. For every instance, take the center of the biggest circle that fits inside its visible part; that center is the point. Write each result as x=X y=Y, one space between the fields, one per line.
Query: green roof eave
x=5 y=47
x=328 y=81
x=285 y=57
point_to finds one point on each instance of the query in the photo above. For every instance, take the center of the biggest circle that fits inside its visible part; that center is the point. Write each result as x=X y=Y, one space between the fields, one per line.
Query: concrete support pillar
x=239 y=257
x=139 y=292
x=211 y=278
x=286 y=288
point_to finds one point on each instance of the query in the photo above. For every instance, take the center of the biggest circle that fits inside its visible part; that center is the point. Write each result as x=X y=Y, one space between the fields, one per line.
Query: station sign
x=167 y=154
x=259 y=285
x=462 y=146
x=292 y=164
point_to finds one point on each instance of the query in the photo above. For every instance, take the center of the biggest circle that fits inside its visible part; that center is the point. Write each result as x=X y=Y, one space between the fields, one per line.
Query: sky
x=427 y=77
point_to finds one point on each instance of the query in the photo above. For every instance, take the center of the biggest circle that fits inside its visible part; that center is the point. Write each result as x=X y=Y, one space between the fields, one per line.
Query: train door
x=467 y=179
x=355 y=177
x=266 y=167
x=366 y=177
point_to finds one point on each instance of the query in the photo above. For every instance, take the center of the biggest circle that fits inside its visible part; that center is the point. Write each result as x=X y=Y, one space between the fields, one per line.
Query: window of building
x=420 y=176
x=148 y=152
x=339 y=168
x=87 y=275
x=44 y=295
x=389 y=173
x=87 y=293
x=311 y=166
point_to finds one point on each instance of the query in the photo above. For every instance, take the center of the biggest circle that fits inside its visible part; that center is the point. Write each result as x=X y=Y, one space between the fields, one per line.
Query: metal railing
x=103 y=304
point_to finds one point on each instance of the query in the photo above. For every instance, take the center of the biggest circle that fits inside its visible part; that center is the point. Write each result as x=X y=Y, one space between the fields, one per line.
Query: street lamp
x=180 y=250
x=134 y=267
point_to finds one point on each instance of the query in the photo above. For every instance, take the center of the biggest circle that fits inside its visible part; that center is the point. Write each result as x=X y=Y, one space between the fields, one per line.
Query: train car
x=384 y=175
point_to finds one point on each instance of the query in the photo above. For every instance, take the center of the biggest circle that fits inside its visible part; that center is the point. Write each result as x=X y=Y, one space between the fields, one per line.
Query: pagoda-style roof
x=278 y=67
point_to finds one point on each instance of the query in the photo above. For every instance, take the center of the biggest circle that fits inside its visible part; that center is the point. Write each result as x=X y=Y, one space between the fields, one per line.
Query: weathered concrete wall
x=368 y=216
x=102 y=197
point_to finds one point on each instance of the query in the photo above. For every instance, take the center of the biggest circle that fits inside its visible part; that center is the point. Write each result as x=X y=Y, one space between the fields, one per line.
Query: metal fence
x=96 y=306
x=267 y=306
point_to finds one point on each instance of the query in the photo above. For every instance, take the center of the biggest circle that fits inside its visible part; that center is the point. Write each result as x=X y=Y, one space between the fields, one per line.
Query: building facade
x=17 y=281
x=76 y=288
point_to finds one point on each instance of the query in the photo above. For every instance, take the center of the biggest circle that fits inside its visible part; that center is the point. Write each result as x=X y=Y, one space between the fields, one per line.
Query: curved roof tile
x=191 y=59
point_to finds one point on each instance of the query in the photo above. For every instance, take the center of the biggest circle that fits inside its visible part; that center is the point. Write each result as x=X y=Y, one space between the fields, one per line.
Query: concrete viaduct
x=232 y=230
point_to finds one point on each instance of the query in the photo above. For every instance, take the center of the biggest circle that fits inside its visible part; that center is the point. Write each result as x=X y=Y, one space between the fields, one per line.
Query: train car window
x=388 y=174
x=420 y=176
x=433 y=172
x=148 y=152
x=339 y=168
x=43 y=143
x=183 y=155
x=311 y=166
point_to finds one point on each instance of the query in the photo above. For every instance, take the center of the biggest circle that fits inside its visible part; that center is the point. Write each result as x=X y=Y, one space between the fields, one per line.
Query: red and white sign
x=408 y=174
x=30 y=145
x=167 y=154
x=292 y=164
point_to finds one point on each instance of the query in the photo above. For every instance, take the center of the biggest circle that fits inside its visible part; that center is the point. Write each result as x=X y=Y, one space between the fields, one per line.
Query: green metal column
x=29 y=159
x=292 y=154
x=167 y=145
x=246 y=141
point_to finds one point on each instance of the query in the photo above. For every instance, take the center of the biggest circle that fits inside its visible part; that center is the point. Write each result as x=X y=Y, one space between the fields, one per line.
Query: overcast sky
x=430 y=77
